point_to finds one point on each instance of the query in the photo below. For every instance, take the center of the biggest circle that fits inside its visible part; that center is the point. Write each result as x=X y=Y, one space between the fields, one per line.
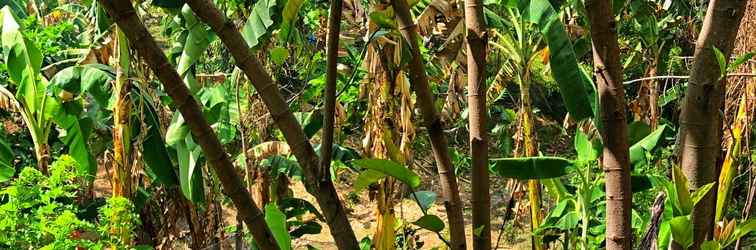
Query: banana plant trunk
x=433 y=123
x=530 y=146
x=477 y=39
x=701 y=119
x=322 y=188
x=123 y=13
x=121 y=121
x=615 y=161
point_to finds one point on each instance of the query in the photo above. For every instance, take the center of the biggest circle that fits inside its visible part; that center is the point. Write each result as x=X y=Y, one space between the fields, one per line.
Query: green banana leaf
x=528 y=168
x=379 y=167
x=258 y=22
x=575 y=87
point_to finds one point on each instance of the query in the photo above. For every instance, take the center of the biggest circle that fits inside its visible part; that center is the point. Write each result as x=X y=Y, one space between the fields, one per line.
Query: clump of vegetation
x=42 y=212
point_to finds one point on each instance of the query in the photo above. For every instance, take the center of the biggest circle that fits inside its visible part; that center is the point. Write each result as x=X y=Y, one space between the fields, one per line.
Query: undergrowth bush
x=41 y=212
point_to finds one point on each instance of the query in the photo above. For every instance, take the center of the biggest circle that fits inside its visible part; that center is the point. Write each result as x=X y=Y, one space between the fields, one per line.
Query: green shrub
x=40 y=212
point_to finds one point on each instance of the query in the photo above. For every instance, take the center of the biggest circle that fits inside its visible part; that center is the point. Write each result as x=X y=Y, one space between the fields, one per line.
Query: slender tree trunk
x=326 y=146
x=434 y=125
x=321 y=188
x=477 y=39
x=121 y=121
x=608 y=74
x=701 y=117
x=123 y=13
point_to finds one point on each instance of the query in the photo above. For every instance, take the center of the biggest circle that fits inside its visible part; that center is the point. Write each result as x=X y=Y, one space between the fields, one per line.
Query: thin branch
x=682 y=77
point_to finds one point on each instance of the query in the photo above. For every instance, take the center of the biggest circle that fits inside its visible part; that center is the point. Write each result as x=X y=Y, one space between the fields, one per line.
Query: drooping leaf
x=6 y=161
x=258 y=22
x=390 y=168
x=527 y=168
x=367 y=178
x=190 y=174
x=276 y=221
x=77 y=80
x=288 y=15
x=23 y=61
x=197 y=41
x=647 y=144
x=430 y=222
x=573 y=84
x=279 y=55
x=75 y=138
x=154 y=152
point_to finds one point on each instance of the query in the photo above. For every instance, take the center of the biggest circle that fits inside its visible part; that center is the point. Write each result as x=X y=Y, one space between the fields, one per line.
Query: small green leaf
x=526 y=168
x=684 y=203
x=710 y=245
x=682 y=231
x=585 y=149
x=721 y=60
x=382 y=19
x=699 y=194
x=647 y=144
x=425 y=198
x=430 y=222
x=392 y=169
x=740 y=60
x=279 y=55
x=741 y=230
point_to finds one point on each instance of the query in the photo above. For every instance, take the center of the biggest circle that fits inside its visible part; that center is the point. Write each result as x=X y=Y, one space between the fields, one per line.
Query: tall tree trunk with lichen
x=701 y=119
x=615 y=159
x=477 y=40
x=434 y=125
x=322 y=188
x=123 y=13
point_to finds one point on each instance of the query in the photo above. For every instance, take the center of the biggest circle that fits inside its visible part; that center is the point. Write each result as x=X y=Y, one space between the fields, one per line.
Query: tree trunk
x=326 y=145
x=434 y=125
x=321 y=188
x=701 y=119
x=123 y=13
x=477 y=39
x=608 y=74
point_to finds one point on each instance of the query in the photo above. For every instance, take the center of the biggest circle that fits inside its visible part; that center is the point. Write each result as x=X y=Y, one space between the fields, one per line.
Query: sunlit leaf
x=430 y=222
x=390 y=168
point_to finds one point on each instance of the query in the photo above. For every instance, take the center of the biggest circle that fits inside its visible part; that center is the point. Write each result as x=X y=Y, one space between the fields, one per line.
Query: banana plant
x=576 y=207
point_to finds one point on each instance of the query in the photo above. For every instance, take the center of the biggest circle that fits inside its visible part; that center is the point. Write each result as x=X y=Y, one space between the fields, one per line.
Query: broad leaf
x=430 y=222
x=586 y=151
x=288 y=15
x=258 y=22
x=190 y=174
x=367 y=178
x=276 y=221
x=154 y=152
x=77 y=80
x=647 y=144
x=527 y=168
x=682 y=231
x=196 y=43
x=23 y=60
x=699 y=194
x=574 y=86
x=390 y=168
x=6 y=161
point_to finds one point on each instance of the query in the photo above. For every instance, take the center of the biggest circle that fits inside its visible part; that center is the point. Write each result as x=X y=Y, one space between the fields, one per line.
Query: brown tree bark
x=321 y=188
x=326 y=145
x=701 y=119
x=615 y=161
x=477 y=39
x=432 y=122
x=123 y=13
